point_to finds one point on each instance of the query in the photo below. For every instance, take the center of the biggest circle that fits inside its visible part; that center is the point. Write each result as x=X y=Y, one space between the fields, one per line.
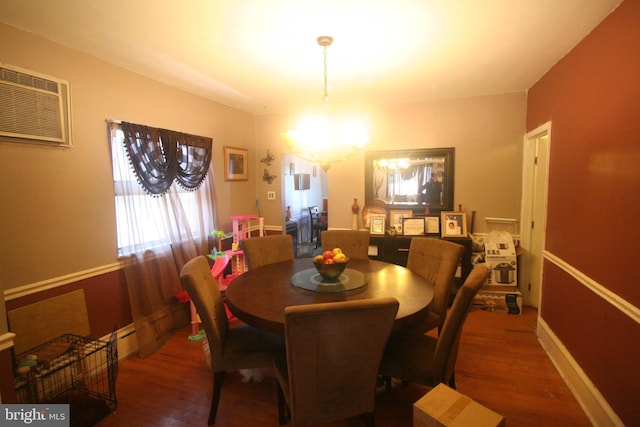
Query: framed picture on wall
x=454 y=224
x=236 y=164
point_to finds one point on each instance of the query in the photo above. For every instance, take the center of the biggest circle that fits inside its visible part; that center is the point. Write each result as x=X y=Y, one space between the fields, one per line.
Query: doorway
x=303 y=184
x=535 y=178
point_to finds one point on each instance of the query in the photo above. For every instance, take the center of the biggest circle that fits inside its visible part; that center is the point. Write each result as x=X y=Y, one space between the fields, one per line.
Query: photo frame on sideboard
x=377 y=224
x=396 y=217
x=454 y=224
x=432 y=224
x=413 y=226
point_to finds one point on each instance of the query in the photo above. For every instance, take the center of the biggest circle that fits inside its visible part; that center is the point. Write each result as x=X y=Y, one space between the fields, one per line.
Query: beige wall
x=57 y=204
x=487 y=133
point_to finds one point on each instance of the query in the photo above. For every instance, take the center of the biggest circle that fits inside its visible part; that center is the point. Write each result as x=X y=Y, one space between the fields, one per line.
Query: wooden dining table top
x=259 y=296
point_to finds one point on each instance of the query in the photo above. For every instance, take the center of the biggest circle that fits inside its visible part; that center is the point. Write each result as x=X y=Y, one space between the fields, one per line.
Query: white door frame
x=535 y=173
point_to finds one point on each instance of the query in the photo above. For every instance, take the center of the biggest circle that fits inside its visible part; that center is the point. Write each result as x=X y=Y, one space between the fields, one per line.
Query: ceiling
x=262 y=57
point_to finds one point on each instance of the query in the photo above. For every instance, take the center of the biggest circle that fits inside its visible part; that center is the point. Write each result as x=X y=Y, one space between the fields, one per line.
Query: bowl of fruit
x=331 y=264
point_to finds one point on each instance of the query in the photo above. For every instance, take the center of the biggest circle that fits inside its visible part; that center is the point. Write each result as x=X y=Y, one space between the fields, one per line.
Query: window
x=145 y=222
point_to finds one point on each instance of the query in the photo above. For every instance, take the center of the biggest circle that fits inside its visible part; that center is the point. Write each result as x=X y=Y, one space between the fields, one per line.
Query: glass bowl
x=330 y=272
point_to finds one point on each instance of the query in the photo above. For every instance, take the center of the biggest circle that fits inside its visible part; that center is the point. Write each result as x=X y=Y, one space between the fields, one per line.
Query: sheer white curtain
x=156 y=236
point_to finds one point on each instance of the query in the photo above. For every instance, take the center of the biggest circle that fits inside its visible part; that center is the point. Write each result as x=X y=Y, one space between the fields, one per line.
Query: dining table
x=259 y=296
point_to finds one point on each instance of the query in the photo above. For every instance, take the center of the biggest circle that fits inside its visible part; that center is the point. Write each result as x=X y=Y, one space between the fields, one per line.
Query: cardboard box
x=445 y=407
x=503 y=299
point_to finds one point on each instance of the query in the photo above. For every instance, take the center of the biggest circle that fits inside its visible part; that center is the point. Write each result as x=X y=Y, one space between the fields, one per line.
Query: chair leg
x=218 y=379
x=452 y=381
x=283 y=414
x=368 y=419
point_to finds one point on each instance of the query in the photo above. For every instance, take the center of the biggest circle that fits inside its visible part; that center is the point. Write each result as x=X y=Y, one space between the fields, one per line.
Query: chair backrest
x=333 y=356
x=446 y=352
x=354 y=243
x=197 y=280
x=259 y=251
x=437 y=261
x=314 y=215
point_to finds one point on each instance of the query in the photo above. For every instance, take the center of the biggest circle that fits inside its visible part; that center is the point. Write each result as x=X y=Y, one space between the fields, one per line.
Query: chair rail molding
x=32 y=288
x=6 y=340
x=612 y=298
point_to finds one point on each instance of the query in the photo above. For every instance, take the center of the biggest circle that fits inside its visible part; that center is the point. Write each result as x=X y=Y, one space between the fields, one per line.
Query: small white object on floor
x=255 y=375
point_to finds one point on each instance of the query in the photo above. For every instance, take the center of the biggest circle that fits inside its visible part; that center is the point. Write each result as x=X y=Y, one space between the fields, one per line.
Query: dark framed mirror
x=410 y=179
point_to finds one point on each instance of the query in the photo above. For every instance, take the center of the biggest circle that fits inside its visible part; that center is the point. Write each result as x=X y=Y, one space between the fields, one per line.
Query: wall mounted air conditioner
x=34 y=107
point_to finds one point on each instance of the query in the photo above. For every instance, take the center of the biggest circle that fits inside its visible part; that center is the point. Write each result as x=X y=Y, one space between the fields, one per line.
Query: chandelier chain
x=326 y=92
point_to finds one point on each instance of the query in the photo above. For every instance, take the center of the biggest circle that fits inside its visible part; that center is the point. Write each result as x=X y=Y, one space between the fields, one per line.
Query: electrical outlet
x=271 y=195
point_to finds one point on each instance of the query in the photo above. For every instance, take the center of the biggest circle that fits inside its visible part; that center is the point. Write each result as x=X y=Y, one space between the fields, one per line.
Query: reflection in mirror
x=410 y=179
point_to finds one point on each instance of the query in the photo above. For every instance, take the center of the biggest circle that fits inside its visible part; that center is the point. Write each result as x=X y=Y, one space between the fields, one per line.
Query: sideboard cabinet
x=396 y=250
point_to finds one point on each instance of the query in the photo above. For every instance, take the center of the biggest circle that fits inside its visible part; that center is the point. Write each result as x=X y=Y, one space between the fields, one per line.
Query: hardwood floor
x=500 y=365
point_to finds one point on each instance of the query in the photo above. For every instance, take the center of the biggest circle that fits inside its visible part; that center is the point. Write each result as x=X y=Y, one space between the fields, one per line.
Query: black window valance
x=160 y=156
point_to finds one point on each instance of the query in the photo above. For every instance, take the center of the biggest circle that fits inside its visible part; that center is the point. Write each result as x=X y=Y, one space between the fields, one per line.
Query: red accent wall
x=603 y=340
x=106 y=296
x=7 y=390
x=592 y=98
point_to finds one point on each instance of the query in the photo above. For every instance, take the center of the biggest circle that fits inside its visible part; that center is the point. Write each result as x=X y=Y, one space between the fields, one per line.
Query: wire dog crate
x=70 y=369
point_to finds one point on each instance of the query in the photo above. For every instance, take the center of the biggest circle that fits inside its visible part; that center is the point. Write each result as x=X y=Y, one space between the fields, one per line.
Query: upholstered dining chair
x=332 y=360
x=354 y=243
x=437 y=261
x=418 y=358
x=317 y=226
x=241 y=347
x=259 y=251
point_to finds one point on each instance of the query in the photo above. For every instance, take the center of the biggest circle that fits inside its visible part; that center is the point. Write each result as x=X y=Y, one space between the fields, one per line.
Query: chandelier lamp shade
x=327 y=138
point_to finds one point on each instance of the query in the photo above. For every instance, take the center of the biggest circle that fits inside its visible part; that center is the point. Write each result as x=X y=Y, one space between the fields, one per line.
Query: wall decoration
x=292 y=168
x=267 y=177
x=236 y=164
x=385 y=178
x=314 y=171
x=454 y=224
x=268 y=159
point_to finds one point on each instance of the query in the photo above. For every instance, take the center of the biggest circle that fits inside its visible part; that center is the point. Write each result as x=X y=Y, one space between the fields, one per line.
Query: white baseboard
x=593 y=403
x=127 y=341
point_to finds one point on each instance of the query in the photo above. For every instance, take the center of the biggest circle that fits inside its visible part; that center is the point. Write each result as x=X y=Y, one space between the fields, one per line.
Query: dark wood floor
x=501 y=365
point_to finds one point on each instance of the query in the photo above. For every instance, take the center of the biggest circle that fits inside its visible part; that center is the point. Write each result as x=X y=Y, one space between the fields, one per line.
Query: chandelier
x=326 y=138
